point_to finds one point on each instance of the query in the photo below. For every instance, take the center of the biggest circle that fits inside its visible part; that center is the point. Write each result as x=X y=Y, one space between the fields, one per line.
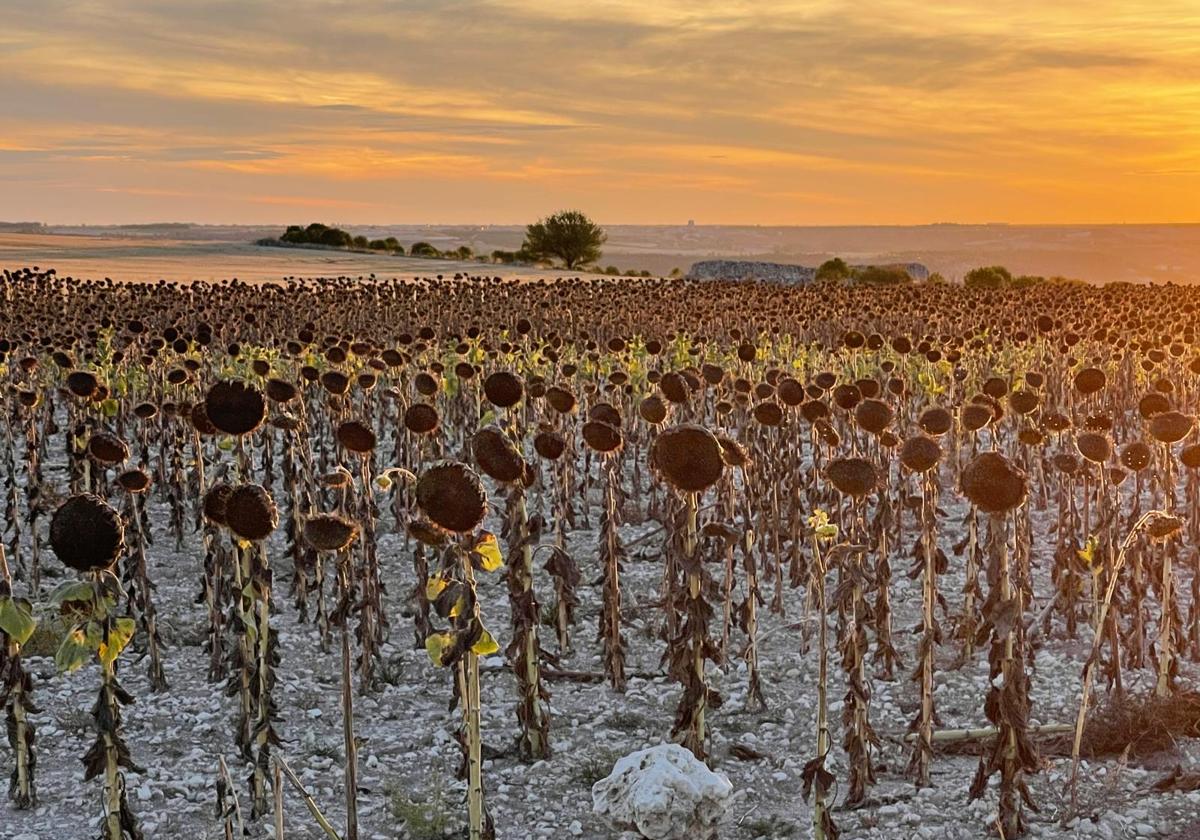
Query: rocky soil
x=408 y=754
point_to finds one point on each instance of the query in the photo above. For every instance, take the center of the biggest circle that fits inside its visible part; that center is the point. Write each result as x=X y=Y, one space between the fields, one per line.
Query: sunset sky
x=639 y=111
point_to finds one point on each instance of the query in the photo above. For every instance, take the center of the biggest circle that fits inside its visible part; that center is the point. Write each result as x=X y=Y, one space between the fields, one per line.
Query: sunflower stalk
x=818 y=780
x=524 y=652
x=17 y=624
x=611 y=554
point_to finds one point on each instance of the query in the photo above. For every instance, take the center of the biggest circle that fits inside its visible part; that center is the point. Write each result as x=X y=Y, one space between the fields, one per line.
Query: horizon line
x=162 y=222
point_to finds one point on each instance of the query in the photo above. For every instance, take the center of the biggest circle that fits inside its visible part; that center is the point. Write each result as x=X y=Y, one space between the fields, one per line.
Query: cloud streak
x=499 y=110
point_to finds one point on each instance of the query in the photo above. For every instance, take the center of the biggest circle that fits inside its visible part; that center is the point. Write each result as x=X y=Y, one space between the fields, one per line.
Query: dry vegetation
x=797 y=448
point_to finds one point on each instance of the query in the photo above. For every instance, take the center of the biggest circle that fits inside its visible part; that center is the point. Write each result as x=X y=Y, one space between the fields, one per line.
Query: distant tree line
x=568 y=238
x=999 y=277
x=334 y=237
x=837 y=270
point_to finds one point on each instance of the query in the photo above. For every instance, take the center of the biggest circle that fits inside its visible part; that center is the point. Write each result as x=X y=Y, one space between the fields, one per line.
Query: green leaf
x=73 y=652
x=436 y=645
x=73 y=590
x=488 y=418
x=487 y=549
x=486 y=645
x=119 y=636
x=109 y=407
x=16 y=619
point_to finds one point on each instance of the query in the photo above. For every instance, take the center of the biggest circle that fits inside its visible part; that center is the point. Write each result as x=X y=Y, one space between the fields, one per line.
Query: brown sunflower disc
x=82 y=383
x=935 y=421
x=1090 y=380
x=426 y=384
x=451 y=495
x=134 y=481
x=107 y=449
x=920 y=453
x=995 y=387
x=688 y=456
x=280 y=391
x=329 y=532
x=426 y=532
x=1189 y=456
x=497 y=455
x=421 y=418
x=86 y=534
x=674 y=387
x=1135 y=456
x=653 y=409
x=846 y=396
x=852 y=476
x=993 y=483
x=235 y=408
x=828 y=435
x=1023 y=402
x=356 y=437
x=768 y=413
x=1066 y=463
x=601 y=436
x=1031 y=437
x=814 y=410
x=503 y=389
x=1094 y=446
x=1152 y=404
x=873 y=415
x=1056 y=421
x=250 y=512
x=560 y=399
x=791 y=392
x=605 y=413
x=975 y=416
x=1162 y=528
x=1170 y=427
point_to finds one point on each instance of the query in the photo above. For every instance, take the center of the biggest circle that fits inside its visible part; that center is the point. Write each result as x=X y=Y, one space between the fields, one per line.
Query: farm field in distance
x=1097 y=254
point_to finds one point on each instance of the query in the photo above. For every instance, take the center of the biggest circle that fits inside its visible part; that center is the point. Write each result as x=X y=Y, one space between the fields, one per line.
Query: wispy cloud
x=804 y=111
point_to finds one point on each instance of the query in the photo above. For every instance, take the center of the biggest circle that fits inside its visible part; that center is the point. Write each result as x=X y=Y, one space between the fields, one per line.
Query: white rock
x=665 y=794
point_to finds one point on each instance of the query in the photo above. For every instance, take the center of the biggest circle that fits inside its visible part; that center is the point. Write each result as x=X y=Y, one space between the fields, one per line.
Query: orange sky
x=640 y=111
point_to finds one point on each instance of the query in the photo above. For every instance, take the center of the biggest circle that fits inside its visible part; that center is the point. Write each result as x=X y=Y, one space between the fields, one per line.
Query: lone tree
x=568 y=235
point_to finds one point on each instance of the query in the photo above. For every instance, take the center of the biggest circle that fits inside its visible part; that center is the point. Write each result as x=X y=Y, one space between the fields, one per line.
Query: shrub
x=988 y=277
x=834 y=269
x=881 y=275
